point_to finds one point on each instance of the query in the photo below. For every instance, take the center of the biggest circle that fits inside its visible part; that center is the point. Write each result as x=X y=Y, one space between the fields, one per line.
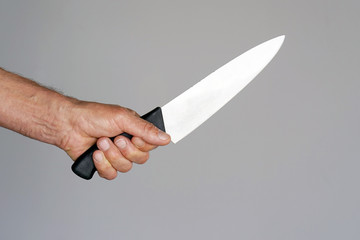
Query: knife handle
x=84 y=166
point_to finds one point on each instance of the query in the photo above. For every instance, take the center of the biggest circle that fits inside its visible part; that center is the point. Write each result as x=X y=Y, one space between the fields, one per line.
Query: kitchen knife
x=190 y=109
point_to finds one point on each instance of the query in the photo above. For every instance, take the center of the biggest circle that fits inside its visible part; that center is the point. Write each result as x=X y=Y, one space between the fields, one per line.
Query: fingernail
x=98 y=157
x=163 y=136
x=104 y=145
x=121 y=143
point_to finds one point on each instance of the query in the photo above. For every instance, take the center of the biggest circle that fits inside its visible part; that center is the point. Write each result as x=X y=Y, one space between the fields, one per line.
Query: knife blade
x=190 y=109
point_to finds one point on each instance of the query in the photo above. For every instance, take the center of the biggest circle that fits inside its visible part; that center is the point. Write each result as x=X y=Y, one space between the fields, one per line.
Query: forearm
x=32 y=110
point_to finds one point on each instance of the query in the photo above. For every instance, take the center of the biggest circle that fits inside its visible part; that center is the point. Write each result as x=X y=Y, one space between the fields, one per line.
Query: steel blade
x=193 y=107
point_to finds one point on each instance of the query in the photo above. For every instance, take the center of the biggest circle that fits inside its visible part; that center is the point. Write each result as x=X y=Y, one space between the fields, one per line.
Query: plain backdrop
x=280 y=161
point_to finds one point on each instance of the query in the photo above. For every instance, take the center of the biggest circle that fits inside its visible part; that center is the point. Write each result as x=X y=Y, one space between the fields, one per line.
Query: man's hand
x=74 y=126
x=90 y=122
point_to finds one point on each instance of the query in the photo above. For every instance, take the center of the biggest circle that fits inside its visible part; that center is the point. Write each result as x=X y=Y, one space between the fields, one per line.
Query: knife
x=190 y=109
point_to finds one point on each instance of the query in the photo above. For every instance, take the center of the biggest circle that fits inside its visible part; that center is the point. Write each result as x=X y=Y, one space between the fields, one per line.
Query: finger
x=103 y=166
x=129 y=151
x=113 y=155
x=133 y=112
x=140 y=128
x=142 y=145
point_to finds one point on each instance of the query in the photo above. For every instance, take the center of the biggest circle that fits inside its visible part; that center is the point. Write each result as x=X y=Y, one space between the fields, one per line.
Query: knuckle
x=111 y=176
x=122 y=110
x=124 y=166
x=132 y=112
x=153 y=147
x=143 y=159
x=107 y=173
x=120 y=113
x=113 y=155
x=149 y=127
x=126 y=111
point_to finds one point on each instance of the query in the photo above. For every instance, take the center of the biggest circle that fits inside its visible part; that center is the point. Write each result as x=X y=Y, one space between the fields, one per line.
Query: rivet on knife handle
x=84 y=166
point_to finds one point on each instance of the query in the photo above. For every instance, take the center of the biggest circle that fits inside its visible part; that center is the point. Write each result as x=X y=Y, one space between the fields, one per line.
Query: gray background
x=280 y=161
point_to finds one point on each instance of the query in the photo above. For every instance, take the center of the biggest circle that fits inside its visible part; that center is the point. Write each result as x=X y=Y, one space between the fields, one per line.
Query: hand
x=90 y=122
x=45 y=115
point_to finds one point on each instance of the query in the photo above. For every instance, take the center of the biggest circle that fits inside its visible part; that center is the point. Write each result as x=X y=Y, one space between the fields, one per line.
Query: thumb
x=139 y=127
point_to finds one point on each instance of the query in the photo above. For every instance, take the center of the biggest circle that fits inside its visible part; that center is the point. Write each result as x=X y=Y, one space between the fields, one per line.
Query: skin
x=74 y=126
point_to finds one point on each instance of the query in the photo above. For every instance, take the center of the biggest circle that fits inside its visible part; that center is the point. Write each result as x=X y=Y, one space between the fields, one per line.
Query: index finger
x=141 y=128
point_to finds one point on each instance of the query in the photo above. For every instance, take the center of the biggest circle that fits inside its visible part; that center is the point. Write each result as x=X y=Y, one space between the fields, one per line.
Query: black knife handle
x=84 y=166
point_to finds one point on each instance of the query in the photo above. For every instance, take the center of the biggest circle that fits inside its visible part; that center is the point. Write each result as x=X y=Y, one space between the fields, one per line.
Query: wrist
x=61 y=122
